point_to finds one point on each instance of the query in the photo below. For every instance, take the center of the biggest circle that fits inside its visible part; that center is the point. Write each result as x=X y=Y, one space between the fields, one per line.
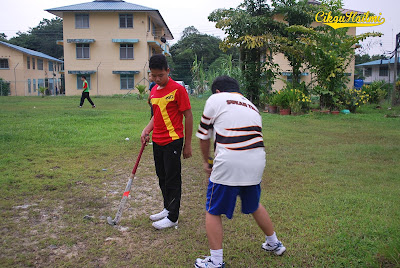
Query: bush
x=377 y=91
x=4 y=87
x=141 y=89
x=353 y=98
x=42 y=90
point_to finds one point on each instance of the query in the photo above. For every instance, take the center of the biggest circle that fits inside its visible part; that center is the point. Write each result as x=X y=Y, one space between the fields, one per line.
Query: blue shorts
x=221 y=199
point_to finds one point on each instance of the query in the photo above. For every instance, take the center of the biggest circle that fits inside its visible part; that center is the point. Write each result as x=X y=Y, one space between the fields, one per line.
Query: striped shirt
x=236 y=127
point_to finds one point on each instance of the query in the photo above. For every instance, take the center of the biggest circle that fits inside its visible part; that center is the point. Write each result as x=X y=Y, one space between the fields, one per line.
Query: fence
x=30 y=87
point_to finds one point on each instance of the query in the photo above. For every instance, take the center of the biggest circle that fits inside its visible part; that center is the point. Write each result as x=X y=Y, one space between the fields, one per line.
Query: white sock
x=272 y=240
x=216 y=256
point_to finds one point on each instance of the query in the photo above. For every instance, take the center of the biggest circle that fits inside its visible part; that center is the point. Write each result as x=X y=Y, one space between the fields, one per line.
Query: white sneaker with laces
x=277 y=248
x=160 y=215
x=164 y=223
x=207 y=263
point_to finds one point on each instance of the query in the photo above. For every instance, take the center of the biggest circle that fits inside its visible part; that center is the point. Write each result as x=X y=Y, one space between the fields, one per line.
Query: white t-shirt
x=236 y=127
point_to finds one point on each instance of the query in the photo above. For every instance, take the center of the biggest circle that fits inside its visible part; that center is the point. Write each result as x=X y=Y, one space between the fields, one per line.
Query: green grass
x=331 y=186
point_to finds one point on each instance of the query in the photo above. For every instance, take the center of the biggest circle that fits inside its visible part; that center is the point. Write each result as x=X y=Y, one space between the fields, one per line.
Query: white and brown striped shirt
x=236 y=127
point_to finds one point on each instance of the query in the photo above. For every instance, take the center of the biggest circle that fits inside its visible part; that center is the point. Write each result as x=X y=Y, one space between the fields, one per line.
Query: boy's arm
x=146 y=131
x=205 y=152
x=187 y=147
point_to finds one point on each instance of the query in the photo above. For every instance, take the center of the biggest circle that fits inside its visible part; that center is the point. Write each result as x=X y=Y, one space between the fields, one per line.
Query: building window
x=40 y=83
x=383 y=71
x=154 y=29
x=127 y=81
x=28 y=62
x=29 y=85
x=34 y=85
x=152 y=51
x=51 y=66
x=40 y=64
x=81 y=21
x=368 y=72
x=79 y=81
x=148 y=24
x=82 y=51
x=33 y=63
x=4 y=64
x=126 y=51
x=125 y=21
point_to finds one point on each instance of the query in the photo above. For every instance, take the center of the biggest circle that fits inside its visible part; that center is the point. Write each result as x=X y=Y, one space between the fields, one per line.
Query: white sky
x=20 y=15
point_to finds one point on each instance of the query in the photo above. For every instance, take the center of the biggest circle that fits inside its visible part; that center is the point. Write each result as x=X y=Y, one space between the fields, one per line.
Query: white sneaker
x=164 y=223
x=278 y=248
x=207 y=262
x=160 y=215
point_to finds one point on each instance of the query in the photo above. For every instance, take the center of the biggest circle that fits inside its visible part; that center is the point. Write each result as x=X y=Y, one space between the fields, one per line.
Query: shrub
x=292 y=98
x=42 y=90
x=377 y=91
x=141 y=89
x=4 y=87
x=353 y=98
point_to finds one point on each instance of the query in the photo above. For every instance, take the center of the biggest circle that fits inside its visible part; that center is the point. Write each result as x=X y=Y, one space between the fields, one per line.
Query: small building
x=110 y=42
x=379 y=70
x=26 y=70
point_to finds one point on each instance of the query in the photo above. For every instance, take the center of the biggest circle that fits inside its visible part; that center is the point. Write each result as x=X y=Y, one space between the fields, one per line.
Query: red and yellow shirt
x=168 y=103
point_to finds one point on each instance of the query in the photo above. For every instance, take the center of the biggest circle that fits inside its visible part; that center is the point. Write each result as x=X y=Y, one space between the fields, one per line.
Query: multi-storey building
x=110 y=42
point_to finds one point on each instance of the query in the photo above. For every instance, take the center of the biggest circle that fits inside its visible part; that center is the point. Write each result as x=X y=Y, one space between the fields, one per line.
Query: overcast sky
x=20 y=15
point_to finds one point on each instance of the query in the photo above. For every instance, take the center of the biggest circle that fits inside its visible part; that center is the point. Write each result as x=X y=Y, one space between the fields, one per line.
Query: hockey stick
x=117 y=218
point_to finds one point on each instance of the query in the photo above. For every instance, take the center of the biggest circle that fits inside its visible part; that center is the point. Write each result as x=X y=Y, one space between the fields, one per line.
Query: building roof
x=30 y=52
x=112 y=5
x=378 y=62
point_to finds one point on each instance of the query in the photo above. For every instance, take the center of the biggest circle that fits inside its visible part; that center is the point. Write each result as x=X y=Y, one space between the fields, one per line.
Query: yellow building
x=26 y=70
x=110 y=42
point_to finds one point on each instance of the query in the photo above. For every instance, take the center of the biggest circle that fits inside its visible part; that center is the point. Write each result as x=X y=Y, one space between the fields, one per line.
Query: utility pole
x=394 y=100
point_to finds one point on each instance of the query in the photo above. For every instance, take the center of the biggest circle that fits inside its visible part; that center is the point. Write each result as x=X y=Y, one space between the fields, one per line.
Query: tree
x=3 y=37
x=183 y=53
x=367 y=58
x=43 y=38
x=249 y=27
x=294 y=13
x=328 y=53
x=188 y=31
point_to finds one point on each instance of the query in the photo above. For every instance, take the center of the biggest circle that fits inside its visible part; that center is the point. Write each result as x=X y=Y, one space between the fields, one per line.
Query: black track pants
x=167 y=159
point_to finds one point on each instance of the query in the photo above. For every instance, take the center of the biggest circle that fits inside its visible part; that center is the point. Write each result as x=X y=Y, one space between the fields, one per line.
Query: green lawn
x=331 y=186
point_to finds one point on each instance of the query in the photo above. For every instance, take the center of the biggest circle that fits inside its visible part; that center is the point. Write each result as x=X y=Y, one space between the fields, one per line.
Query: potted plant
x=273 y=103
x=282 y=100
x=297 y=101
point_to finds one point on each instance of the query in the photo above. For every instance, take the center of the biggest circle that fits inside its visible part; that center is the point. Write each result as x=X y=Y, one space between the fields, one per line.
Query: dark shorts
x=221 y=199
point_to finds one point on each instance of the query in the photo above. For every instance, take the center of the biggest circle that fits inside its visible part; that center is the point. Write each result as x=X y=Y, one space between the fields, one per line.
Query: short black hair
x=159 y=62
x=225 y=83
x=84 y=77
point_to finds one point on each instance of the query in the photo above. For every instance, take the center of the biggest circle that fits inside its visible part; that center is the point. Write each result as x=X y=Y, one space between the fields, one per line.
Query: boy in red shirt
x=170 y=103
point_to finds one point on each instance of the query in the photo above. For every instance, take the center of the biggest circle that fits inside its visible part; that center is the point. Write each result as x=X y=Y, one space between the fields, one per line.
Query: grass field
x=331 y=186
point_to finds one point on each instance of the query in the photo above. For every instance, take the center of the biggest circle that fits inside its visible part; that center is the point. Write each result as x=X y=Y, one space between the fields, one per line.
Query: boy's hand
x=145 y=137
x=207 y=169
x=187 y=151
